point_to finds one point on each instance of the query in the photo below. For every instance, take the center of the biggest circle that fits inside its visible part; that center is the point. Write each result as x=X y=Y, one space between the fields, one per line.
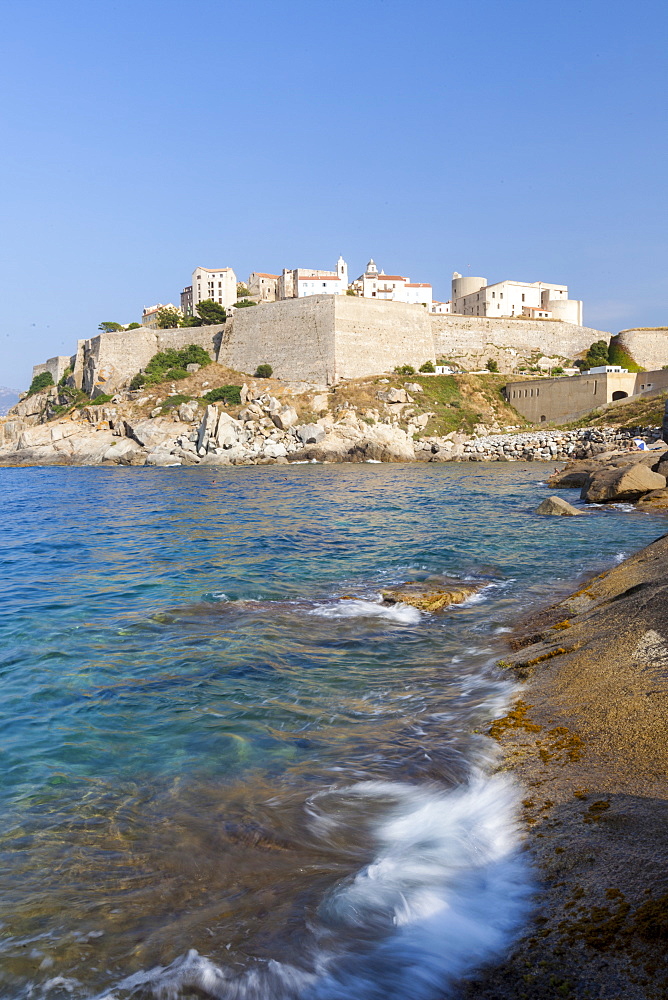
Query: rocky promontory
x=587 y=739
x=263 y=421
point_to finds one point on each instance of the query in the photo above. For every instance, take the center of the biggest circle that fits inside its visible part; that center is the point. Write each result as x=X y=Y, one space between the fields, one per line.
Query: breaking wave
x=447 y=889
x=402 y=614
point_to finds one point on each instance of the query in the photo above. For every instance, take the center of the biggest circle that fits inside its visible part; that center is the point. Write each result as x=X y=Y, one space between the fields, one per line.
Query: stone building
x=263 y=287
x=149 y=317
x=556 y=400
x=375 y=284
x=299 y=282
x=220 y=285
x=472 y=296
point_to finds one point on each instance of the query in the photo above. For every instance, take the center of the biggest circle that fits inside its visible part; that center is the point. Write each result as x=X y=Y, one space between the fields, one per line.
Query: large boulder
x=310 y=433
x=627 y=483
x=151 y=433
x=432 y=594
x=656 y=500
x=285 y=418
x=664 y=429
x=574 y=475
x=557 y=506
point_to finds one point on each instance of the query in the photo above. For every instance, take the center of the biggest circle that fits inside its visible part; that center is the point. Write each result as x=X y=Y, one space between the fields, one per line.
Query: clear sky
x=142 y=138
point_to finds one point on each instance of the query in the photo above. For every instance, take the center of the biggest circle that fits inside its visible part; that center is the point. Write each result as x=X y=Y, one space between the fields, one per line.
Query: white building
x=472 y=296
x=298 y=282
x=441 y=307
x=149 y=316
x=375 y=284
x=263 y=287
x=219 y=284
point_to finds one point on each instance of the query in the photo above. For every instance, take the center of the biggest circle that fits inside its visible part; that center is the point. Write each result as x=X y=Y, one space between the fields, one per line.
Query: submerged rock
x=431 y=595
x=558 y=506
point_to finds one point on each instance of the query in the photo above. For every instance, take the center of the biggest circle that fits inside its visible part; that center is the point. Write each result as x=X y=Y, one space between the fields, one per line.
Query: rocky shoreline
x=264 y=430
x=587 y=739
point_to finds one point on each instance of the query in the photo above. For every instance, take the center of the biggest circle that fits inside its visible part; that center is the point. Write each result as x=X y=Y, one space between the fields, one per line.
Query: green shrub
x=404 y=370
x=242 y=303
x=102 y=398
x=42 y=381
x=64 y=377
x=428 y=366
x=491 y=365
x=172 y=401
x=170 y=364
x=264 y=371
x=230 y=394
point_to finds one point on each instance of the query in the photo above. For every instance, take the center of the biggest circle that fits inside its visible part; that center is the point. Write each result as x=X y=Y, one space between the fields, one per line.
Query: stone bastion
x=326 y=338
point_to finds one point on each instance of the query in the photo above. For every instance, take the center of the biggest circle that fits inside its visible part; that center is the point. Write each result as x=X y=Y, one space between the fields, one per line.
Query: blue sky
x=143 y=138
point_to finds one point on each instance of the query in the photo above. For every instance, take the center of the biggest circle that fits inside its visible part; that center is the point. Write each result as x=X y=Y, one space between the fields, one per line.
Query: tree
x=405 y=370
x=110 y=327
x=596 y=356
x=133 y=326
x=264 y=371
x=491 y=365
x=211 y=312
x=167 y=318
x=41 y=381
x=428 y=366
x=191 y=321
x=241 y=303
x=242 y=290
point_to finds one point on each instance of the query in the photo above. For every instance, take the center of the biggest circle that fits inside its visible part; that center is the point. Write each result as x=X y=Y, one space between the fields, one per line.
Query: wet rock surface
x=433 y=594
x=587 y=738
x=557 y=506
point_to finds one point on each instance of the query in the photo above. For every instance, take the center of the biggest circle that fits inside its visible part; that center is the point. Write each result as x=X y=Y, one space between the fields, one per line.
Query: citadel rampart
x=324 y=338
x=648 y=347
x=469 y=341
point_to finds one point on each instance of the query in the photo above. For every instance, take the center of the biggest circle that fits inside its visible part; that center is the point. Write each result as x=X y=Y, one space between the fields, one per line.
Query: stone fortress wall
x=470 y=340
x=325 y=338
x=648 y=347
x=109 y=360
x=55 y=366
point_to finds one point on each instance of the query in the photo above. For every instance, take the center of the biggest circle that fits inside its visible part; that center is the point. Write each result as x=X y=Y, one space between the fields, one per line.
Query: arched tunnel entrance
x=619 y=394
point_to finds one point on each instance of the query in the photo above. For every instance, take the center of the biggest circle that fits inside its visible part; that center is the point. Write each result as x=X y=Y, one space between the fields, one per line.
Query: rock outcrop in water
x=557 y=506
x=616 y=476
x=433 y=594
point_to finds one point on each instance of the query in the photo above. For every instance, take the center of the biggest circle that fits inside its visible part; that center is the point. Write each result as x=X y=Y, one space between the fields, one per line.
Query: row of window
x=527 y=392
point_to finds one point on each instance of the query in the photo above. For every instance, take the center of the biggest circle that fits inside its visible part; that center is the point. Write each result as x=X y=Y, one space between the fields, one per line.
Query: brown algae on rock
x=433 y=594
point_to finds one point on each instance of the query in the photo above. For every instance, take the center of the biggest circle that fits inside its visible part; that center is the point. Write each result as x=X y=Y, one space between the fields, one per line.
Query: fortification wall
x=109 y=360
x=294 y=336
x=470 y=340
x=56 y=366
x=375 y=336
x=649 y=348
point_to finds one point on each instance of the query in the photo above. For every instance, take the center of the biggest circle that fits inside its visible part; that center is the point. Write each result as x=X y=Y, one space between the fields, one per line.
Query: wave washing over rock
x=446 y=891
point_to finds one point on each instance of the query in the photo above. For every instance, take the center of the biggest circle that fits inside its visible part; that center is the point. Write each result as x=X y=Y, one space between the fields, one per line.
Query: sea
x=228 y=769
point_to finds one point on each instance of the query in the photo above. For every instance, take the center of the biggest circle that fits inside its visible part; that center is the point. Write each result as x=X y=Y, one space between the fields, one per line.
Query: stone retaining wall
x=553 y=446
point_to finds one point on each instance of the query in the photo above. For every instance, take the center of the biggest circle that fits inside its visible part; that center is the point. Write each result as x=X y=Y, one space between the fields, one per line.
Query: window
x=493 y=295
x=522 y=296
x=501 y=295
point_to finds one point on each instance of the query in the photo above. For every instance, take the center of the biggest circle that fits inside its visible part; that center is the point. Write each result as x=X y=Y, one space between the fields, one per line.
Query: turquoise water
x=225 y=765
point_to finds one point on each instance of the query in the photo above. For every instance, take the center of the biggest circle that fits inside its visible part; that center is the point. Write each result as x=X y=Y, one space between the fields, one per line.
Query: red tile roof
x=391 y=277
x=261 y=274
x=420 y=284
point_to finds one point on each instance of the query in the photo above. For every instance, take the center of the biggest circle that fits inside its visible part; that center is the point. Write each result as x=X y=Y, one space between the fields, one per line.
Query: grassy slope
x=629 y=413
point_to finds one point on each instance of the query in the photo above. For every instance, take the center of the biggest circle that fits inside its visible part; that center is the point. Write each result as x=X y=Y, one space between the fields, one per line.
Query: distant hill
x=7 y=399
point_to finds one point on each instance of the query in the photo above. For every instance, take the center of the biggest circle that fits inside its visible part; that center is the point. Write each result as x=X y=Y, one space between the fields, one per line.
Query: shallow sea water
x=227 y=769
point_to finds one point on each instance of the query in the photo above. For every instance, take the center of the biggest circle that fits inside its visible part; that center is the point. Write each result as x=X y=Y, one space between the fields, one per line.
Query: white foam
x=402 y=614
x=446 y=891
